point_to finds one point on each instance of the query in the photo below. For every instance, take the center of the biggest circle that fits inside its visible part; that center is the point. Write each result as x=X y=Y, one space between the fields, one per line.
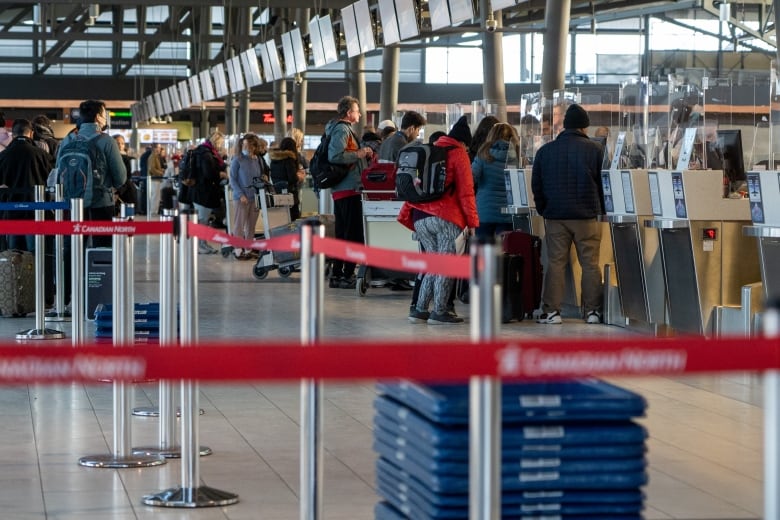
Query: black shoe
x=444 y=318
x=334 y=282
x=416 y=316
x=348 y=283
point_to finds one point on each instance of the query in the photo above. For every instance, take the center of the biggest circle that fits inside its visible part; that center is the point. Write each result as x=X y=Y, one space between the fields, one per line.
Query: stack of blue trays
x=569 y=450
x=147 y=321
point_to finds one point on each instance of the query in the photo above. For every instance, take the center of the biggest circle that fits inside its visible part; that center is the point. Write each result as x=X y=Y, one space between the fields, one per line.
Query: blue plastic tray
x=525 y=467
x=393 y=476
x=385 y=511
x=584 y=399
x=566 y=452
x=417 y=506
x=400 y=420
x=139 y=333
x=526 y=481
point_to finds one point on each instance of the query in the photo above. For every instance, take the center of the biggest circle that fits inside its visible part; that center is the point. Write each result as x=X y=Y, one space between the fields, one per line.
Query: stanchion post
x=77 y=275
x=772 y=420
x=123 y=323
x=168 y=446
x=191 y=494
x=59 y=313
x=40 y=331
x=484 y=392
x=312 y=299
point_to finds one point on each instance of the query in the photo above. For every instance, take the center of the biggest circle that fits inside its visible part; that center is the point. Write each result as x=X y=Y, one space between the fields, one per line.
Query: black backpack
x=188 y=168
x=421 y=173
x=325 y=174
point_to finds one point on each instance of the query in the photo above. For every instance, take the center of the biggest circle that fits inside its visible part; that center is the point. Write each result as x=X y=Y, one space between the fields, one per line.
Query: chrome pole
x=312 y=299
x=772 y=421
x=77 y=275
x=123 y=323
x=40 y=331
x=59 y=313
x=484 y=392
x=168 y=446
x=191 y=494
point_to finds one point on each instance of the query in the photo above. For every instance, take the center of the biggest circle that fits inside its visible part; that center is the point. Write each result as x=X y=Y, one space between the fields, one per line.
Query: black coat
x=207 y=190
x=566 y=178
x=23 y=165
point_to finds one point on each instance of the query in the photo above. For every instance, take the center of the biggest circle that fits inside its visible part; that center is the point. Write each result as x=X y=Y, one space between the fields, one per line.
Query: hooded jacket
x=489 y=180
x=22 y=167
x=343 y=148
x=457 y=206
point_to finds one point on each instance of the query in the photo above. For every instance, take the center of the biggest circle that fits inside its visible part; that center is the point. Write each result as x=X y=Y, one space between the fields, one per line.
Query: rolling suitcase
x=530 y=248
x=379 y=176
x=17 y=283
x=512 y=288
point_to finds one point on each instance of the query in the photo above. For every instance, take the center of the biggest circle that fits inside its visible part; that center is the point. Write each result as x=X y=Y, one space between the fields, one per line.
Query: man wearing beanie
x=566 y=183
x=439 y=222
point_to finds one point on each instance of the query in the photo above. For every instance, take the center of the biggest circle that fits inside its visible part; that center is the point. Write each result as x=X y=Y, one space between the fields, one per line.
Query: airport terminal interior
x=692 y=201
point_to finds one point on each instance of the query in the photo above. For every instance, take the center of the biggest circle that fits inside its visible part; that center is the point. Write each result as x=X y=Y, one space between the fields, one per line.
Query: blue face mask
x=245 y=153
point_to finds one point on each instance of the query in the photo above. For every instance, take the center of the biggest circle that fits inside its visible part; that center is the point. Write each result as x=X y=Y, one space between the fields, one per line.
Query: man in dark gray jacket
x=566 y=183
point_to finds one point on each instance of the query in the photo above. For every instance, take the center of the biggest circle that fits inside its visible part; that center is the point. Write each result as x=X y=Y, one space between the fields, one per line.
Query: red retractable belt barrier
x=350 y=360
x=87 y=227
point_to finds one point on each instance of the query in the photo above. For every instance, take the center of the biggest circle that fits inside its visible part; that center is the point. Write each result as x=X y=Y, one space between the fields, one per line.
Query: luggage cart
x=275 y=212
x=382 y=229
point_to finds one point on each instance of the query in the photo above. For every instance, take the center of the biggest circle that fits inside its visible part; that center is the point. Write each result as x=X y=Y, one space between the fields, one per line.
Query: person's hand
x=467 y=232
x=243 y=200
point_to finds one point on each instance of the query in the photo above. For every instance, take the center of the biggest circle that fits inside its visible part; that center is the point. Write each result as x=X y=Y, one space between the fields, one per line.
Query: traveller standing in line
x=244 y=169
x=501 y=150
x=439 y=222
x=156 y=169
x=411 y=124
x=344 y=149
x=385 y=129
x=566 y=183
x=287 y=173
x=206 y=194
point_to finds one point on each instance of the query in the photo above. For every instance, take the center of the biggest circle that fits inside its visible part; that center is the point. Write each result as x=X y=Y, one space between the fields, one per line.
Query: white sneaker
x=550 y=318
x=593 y=317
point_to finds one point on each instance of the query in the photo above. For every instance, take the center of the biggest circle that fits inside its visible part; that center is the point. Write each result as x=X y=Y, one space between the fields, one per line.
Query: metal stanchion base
x=154 y=411
x=57 y=316
x=40 y=334
x=130 y=461
x=192 y=497
x=169 y=453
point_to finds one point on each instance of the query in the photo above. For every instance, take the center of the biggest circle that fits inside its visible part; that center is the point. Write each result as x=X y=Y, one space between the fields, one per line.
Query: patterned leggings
x=437 y=236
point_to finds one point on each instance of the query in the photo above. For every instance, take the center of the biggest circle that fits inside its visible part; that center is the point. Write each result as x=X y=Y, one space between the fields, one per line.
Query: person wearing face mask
x=112 y=171
x=244 y=169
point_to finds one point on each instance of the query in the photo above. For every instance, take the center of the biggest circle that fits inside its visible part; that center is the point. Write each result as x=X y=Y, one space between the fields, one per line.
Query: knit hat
x=461 y=131
x=576 y=117
x=385 y=124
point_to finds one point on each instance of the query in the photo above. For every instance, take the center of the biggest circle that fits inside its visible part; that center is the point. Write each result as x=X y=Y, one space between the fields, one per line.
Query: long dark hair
x=480 y=134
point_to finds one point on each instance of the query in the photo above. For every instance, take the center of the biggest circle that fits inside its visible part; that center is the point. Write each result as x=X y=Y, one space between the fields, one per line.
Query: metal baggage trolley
x=382 y=229
x=275 y=213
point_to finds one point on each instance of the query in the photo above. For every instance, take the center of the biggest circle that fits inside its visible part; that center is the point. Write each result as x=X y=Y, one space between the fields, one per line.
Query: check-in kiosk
x=638 y=265
x=706 y=257
x=520 y=201
x=764 y=197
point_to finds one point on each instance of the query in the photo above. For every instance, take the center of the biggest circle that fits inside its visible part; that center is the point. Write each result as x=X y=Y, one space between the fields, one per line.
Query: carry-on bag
x=17 y=283
x=530 y=248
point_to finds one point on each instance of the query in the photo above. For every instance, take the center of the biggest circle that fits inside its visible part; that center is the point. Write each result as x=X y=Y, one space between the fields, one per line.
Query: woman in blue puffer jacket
x=500 y=150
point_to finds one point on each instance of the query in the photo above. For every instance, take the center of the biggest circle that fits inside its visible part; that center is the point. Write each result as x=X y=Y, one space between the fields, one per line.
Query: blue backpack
x=80 y=169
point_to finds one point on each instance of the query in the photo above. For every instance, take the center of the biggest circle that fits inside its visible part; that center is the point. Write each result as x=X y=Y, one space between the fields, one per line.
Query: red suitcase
x=380 y=177
x=529 y=247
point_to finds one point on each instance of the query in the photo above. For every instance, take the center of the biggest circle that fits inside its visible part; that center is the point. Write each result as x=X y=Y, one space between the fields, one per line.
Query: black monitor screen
x=730 y=146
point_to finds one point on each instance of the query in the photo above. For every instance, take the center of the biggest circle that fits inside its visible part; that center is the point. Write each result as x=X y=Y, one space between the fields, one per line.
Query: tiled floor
x=705 y=446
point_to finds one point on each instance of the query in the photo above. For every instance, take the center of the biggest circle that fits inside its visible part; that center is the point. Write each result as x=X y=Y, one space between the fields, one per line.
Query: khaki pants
x=586 y=237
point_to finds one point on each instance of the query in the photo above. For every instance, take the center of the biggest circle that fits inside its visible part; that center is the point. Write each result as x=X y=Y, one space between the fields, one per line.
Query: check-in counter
x=764 y=198
x=706 y=257
x=638 y=265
